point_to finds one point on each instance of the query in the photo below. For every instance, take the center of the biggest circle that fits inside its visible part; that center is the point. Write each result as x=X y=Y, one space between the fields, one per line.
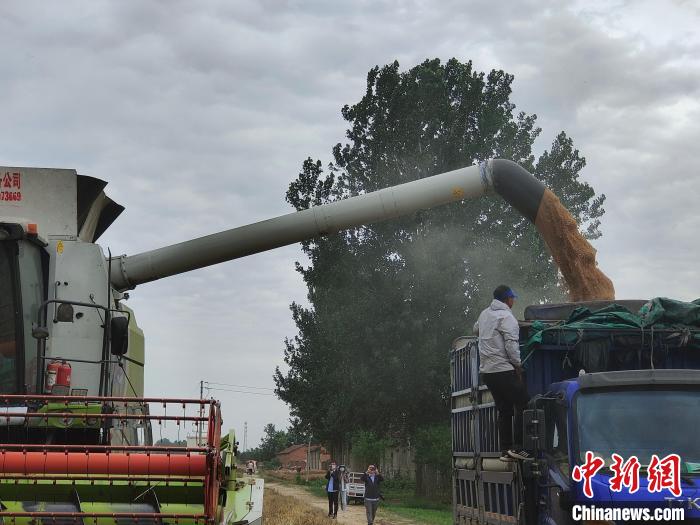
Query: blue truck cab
x=596 y=385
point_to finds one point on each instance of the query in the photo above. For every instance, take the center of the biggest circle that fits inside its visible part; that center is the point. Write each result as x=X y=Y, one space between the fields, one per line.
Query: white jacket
x=499 y=350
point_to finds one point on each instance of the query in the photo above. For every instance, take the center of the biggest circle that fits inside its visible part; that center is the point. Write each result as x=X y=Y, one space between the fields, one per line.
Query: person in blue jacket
x=332 y=489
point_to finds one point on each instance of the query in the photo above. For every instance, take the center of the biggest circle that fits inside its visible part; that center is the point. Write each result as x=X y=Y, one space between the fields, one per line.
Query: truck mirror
x=533 y=429
x=119 y=334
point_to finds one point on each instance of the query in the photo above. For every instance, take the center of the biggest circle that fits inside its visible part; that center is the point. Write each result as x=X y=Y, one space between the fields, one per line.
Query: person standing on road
x=332 y=489
x=372 y=478
x=501 y=369
x=344 y=480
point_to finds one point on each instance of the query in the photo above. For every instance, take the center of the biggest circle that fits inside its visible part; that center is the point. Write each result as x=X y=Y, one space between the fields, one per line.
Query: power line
x=239 y=391
x=239 y=386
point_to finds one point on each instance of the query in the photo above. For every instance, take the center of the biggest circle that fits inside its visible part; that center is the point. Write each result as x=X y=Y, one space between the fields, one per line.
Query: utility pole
x=201 y=413
x=245 y=436
x=308 y=459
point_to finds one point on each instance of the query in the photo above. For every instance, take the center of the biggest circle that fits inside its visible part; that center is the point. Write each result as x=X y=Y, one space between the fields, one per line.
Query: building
x=293 y=457
x=318 y=458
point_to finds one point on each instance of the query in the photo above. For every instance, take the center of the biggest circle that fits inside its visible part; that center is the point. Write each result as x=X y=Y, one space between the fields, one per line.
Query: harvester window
x=8 y=320
x=32 y=286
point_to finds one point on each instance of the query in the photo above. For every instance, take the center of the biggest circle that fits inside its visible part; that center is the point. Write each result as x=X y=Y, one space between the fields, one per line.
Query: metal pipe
x=136 y=517
x=104 y=448
x=12 y=398
x=103 y=463
x=76 y=479
x=86 y=415
x=513 y=182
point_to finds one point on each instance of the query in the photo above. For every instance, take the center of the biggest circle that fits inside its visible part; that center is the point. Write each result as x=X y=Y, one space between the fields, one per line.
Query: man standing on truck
x=501 y=369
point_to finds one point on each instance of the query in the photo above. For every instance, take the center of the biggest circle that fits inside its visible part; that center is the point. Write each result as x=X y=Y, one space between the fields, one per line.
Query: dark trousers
x=371 y=510
x=333 y=503
x=510 y=395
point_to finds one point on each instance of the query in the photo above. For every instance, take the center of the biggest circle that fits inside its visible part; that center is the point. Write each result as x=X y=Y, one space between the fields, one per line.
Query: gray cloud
x=199 y=115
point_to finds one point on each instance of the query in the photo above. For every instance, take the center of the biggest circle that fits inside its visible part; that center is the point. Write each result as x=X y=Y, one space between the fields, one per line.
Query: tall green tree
x=272 y=442
x=386 y=300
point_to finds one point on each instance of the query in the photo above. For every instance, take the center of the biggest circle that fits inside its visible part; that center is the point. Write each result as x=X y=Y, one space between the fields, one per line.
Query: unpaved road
x=354 y=515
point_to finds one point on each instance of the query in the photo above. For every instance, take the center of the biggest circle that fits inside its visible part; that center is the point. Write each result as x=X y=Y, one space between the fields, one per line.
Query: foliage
x=271 y=464
x=297 y=432
x=433 y=444
x=399 y=484
x=386 y=300
x=176 y=443
x=368 y=448
x=272 y=442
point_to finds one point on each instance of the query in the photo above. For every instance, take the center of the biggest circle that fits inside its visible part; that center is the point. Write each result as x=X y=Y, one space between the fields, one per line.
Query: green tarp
x=662 y=314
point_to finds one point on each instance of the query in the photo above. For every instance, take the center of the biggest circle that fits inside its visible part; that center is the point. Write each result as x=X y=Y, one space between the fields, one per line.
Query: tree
x=176 y=443
x=386 y=300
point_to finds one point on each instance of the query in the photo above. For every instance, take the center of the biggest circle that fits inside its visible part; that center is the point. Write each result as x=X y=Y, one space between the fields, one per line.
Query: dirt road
x=354 y=515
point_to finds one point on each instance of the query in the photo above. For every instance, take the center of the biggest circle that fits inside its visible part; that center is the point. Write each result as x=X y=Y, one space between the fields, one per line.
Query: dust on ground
x=291 y=505
x=573 y=254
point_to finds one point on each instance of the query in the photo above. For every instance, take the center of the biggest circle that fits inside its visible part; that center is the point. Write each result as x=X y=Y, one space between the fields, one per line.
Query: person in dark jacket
x=372 y=478
x=332 y=489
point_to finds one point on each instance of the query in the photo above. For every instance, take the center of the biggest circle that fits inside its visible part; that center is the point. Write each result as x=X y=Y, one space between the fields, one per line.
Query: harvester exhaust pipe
x=515 y=184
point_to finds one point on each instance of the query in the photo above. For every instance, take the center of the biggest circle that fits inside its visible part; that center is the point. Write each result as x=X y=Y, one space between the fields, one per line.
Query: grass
x=421 y=511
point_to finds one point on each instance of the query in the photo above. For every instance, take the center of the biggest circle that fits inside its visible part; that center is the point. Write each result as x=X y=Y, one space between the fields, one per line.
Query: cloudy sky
x=199 y=114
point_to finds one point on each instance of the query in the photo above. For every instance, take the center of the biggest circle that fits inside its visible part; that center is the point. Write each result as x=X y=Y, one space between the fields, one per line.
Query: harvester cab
x=76 y=432
x=58 y=309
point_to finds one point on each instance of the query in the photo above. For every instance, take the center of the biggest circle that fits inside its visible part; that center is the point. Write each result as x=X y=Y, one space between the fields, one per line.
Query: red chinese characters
x=586 y=472
x=662 y=473
x=625 y=474
x=12 y=180
x=10 y=184
x=665 y=473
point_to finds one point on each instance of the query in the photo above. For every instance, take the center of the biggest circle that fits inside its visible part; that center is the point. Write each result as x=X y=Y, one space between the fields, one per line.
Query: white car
x=356 y=487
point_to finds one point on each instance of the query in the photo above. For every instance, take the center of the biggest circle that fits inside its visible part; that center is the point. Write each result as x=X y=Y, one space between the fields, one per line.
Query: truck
x=605 y=378
x=356 y=487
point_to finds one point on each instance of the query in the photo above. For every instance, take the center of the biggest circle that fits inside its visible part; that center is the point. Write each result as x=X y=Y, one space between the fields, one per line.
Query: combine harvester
x=76 y=432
